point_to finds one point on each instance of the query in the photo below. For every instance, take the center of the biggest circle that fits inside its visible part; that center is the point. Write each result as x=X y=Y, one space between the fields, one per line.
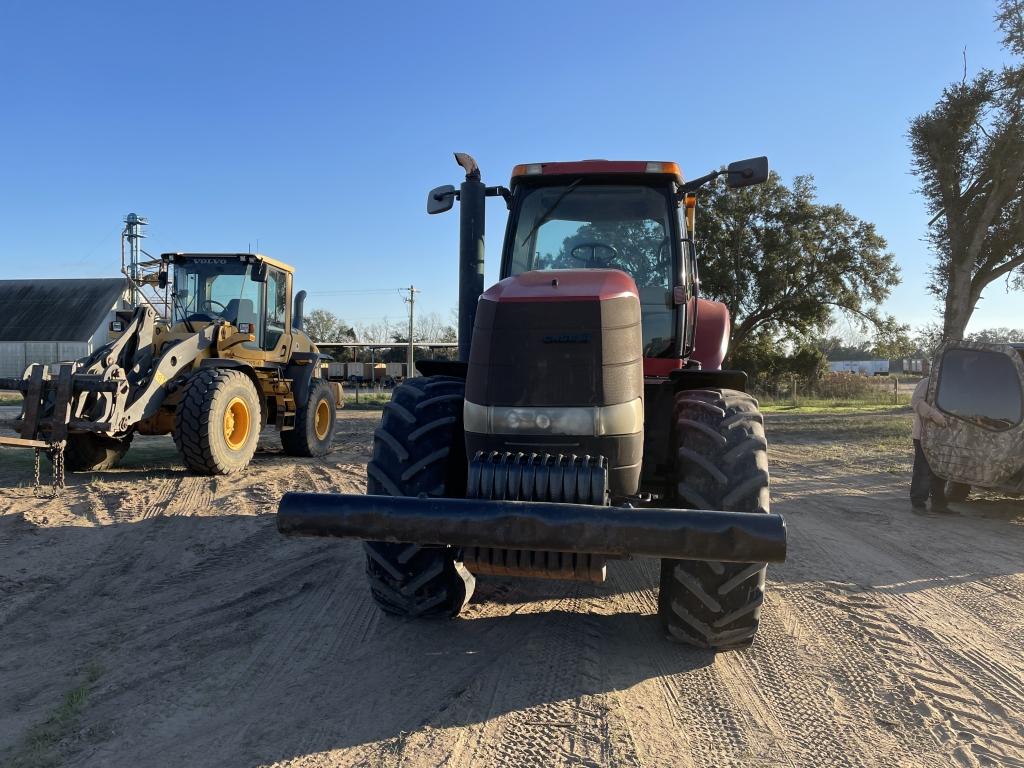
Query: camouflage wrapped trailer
x=980 y=389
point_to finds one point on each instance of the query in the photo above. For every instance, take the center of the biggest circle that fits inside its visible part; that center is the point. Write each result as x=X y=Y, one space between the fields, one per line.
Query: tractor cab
x=620 y=215
x=252 y=292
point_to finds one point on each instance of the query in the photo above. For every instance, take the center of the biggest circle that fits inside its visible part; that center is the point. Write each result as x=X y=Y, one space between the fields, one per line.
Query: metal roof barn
x=49 y=321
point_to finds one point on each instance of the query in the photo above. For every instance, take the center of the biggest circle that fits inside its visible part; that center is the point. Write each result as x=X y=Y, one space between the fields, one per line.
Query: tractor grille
x=507 y=476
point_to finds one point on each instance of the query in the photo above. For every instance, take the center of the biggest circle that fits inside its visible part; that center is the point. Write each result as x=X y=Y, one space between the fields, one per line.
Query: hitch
x=683 y=534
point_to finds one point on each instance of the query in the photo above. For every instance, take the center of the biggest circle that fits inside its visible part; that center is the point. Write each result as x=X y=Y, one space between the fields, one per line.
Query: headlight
x=621 y=419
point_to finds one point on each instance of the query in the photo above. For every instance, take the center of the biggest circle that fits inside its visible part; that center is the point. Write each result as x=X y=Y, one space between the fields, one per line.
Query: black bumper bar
x=686 y=534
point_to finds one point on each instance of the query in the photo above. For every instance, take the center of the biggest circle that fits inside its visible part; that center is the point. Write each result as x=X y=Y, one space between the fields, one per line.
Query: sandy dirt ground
x=152 y=618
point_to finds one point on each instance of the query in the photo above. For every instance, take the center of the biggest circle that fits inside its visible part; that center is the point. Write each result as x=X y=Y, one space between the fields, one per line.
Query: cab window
x=980 y=387
x=211 y=288
x=605 y=226
x=277 y=307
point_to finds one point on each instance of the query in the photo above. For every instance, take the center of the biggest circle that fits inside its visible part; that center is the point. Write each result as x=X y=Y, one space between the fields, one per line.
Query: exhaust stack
x=472 y=197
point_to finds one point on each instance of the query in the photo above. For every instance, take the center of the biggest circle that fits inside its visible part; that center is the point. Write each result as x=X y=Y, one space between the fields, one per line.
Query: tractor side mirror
x=161 y=279
x=440 y=199
x=747 y=173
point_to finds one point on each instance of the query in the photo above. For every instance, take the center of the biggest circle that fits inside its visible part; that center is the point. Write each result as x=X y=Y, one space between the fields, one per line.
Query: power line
x=357 y=291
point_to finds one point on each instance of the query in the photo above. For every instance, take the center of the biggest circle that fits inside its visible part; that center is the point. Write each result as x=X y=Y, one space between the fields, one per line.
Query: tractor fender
x=238 y=365
x=300 y=371
x=711 y=335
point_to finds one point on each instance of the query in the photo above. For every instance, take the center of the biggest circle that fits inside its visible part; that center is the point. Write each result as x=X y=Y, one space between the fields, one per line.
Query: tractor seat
x=240 y=311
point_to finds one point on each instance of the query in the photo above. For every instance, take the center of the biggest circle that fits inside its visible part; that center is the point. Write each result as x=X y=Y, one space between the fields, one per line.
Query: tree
x=379 y=333
x=761 y=358
x=430 y=327
x=929 y=337
x=784 y=263
x=893 y=341
x=969 y=156
x=998 y=336
x=323 y=327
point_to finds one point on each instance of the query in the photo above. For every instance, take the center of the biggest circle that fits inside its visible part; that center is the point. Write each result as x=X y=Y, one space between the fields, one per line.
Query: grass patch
x=42 y=741
x=371 y=401
x=823 y=406
x=830 y=404
x=7 y=398
x=881 y=438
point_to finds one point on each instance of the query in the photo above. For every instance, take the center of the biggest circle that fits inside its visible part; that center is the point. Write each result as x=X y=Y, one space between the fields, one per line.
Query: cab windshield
x=997 y=405
x=586 y=226
x=207 y=289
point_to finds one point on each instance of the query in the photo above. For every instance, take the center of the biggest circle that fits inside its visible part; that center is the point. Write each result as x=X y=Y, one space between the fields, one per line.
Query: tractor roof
x=597 y=168
x=250 y=257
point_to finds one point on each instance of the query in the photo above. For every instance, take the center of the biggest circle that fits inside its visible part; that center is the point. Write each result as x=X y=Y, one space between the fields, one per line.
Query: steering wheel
x=593 y=260
x=208 y=304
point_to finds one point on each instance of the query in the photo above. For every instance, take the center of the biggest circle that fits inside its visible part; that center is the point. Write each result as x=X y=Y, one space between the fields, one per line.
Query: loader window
x=980 y=387
x=209 y=289
x=277 y=306
x=605 y=226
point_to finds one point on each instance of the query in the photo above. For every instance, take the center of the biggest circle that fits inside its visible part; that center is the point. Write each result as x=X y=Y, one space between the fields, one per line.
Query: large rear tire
x=217 y=423
x=314 y=423
x=419 y=449
x=721 y=464
x=89 y=452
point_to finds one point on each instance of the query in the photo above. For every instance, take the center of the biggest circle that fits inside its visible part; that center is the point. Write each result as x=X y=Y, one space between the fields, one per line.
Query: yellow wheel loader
x=232 y=359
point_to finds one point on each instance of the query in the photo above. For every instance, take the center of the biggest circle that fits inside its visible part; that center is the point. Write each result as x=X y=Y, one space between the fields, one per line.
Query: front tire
x=90 y=452
x=314 y=423
x=721 y=464
x=217 y=423
x=419 y=449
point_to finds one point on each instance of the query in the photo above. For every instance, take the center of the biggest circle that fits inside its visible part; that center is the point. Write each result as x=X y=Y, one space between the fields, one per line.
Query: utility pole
x=411 y=301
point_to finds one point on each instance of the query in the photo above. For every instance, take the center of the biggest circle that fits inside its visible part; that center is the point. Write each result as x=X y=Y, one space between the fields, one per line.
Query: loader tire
x=89 y=452
x=721 y=464
x=419 y=449
x=314 y=423
x=217 y=423
x=957 y=491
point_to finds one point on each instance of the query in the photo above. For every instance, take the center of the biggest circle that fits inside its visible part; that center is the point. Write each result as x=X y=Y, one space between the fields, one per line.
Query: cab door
x=277 y=340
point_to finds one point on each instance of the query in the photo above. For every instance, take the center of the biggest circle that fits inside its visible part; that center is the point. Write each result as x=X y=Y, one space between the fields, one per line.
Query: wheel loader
x=979 y=387
x=588 y=418
x=232 y=358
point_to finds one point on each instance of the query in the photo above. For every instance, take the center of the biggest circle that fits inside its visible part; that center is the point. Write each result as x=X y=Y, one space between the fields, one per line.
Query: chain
x=58 y=468
x=35 y=484
x=56 y=455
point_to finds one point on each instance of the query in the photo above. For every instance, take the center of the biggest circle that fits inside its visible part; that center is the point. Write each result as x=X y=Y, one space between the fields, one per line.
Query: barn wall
x=15 y=356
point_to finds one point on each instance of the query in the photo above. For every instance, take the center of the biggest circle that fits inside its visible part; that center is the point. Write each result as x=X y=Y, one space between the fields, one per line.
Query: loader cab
x=618 y=215
x=250 y=291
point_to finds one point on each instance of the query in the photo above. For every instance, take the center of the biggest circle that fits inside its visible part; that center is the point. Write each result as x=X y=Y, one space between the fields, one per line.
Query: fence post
x=895 y=390
x=792 y=380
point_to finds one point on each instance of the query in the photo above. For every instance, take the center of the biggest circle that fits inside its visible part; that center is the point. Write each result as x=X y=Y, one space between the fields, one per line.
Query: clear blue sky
x=316 y=129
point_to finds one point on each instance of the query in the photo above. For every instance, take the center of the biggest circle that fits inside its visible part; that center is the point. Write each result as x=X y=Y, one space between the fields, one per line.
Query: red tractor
x=588 y=417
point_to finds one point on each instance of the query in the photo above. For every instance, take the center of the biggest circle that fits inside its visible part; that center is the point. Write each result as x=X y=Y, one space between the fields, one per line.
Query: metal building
x=50 y=321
